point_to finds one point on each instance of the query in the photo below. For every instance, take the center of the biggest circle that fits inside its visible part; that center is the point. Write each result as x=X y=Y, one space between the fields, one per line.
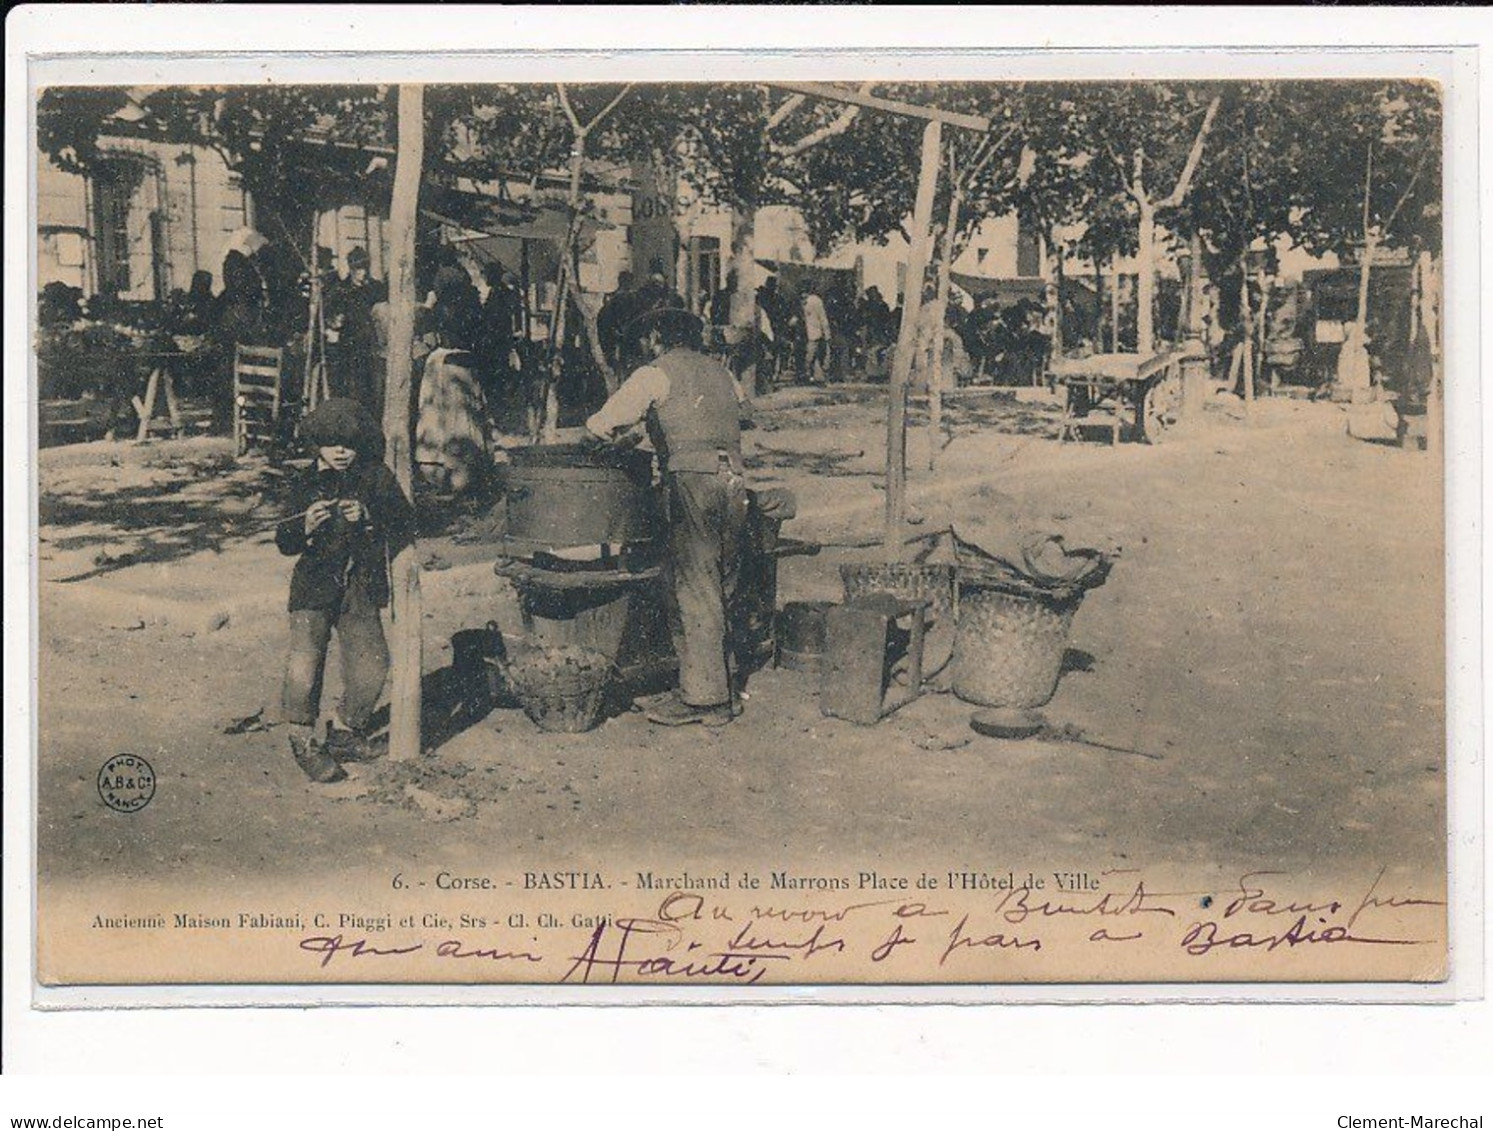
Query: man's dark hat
x=343 y=422
x=358 y=257
x=660 y=317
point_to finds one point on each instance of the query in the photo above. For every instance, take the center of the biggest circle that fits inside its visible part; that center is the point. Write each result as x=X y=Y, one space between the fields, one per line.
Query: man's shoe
x=315 y=762
x=350 y=745
x=675 y=712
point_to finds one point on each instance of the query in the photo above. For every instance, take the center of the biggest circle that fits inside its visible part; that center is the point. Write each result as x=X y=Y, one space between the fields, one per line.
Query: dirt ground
x=1267 y=654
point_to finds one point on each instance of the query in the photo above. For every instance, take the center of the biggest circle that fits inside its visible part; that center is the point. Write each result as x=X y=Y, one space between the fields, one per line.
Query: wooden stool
x=864 y=653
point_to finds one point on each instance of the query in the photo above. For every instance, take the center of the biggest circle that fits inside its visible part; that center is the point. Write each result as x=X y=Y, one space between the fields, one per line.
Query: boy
x=348 y=519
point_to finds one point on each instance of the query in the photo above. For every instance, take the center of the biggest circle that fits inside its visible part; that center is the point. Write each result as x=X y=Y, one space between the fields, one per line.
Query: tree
x=501 y=133
x=864 y=180
x=1249 y=195
x=1063 y=193
x=747 y=146
x=1343 y=167
x=1152 y=135
x=1379 y=147
x=569 y=284
x=70 y=121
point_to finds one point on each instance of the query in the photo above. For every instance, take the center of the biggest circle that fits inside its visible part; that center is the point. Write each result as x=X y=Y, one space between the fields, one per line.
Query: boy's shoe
x=675 y=712
x=350 y=745
x=315 y=762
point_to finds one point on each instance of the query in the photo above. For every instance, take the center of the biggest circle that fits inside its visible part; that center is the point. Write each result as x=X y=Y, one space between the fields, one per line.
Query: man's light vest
x=700 y=417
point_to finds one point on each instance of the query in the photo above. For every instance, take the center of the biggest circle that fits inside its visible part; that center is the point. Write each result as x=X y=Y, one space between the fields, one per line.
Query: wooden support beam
x=890 y=106
x=912 y=302
x=406 y=651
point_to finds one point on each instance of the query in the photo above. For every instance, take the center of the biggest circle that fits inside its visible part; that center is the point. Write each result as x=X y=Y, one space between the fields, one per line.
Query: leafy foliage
x=1284 y=157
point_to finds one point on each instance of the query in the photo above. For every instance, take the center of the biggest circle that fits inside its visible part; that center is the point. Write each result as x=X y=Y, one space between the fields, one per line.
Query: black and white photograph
x=715 y=535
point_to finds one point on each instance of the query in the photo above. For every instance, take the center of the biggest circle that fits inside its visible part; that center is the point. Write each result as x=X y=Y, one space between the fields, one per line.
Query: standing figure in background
x=497 y=341
x=451 y=425
x=772 y=329
x=873 y=317
x=456 y=304
x=817 y=334
x=197 y=305
x=656 y=294
x=616 y=314
x=238 y=318
x=349 y=308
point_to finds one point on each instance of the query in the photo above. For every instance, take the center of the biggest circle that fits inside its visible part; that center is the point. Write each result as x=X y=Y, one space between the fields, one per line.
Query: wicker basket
x=912 y=581
x=1010 y=643
x=561 y=689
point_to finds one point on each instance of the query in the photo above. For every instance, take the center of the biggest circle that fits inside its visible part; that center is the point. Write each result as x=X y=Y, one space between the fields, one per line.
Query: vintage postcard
x=664 y=531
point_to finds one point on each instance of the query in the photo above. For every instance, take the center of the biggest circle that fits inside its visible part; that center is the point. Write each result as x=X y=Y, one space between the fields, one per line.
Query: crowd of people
x=821 y=335
x=805 y=328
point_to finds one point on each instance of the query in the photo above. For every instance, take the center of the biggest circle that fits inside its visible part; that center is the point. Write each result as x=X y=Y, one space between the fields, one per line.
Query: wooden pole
x=558 y=327
x=404 y=711
x=1429 y=317
x=891 y=106
x=935 y=371
x=917 y=269
x=309 y=399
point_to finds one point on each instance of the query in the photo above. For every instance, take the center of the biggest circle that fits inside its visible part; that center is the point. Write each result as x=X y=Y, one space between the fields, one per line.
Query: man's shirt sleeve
x=628 y=406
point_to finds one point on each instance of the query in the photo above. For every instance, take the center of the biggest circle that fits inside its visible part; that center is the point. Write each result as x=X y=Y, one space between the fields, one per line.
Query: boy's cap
x=341 y=421
x=358 y=257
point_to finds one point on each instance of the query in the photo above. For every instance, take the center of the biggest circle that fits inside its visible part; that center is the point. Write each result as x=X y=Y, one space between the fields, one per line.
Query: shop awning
x=485 y=217
x=1007 y=291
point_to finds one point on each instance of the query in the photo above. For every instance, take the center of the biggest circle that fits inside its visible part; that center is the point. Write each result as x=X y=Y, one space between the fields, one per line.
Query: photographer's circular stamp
x=126 y=783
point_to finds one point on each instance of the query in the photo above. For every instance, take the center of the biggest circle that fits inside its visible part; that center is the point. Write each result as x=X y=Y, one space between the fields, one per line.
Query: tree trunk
x=1059 y=281
x=1429 y=317
x=1262 y=324
x=593 y=341
x=1195 y=273
x=1145 y=284
x=1195 y=372
x=1114 y=305
x=1363 y=281
x=405 y=611
x=917 y=270
x=744 y=265
x=1098 y=306
x=1247 y=335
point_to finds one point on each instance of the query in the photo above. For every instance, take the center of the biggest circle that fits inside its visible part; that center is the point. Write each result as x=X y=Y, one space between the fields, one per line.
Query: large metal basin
x=562 y=495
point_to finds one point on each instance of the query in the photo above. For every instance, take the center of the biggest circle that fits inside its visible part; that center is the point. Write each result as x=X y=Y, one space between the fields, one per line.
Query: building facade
x=141 y=222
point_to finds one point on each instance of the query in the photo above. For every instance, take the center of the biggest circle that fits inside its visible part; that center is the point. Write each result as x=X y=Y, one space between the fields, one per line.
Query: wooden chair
x=257 y=396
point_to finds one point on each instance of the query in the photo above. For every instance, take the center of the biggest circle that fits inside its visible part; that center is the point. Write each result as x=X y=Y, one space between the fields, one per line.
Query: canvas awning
x=799 y=277
x=485 y=217
x=1007 y=291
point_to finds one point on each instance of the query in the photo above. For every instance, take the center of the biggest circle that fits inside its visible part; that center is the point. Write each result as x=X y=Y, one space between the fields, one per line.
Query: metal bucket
x=575 y=495
x=478 y=680
x=801 y=635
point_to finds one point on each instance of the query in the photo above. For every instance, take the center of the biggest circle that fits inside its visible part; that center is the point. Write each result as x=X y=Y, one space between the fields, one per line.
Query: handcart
x=1120 y=390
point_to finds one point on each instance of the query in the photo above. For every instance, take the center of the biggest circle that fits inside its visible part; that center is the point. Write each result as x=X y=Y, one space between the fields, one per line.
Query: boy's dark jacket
x=340 y=554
